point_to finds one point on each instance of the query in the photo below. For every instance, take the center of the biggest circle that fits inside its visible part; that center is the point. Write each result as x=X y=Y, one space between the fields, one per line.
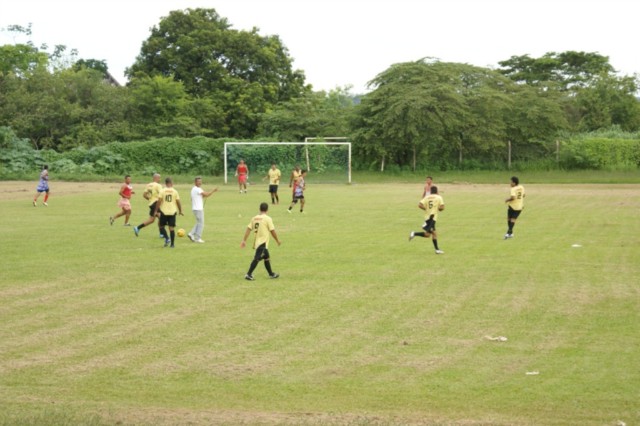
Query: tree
x=161 y=107
x=315 y=114
x=432 y=112
x=610 y=101
x=242 y=73
x=564 y=71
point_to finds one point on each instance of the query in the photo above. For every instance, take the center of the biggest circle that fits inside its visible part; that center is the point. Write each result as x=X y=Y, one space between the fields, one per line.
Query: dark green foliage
x=322 y=158
x=170 y=155
x=242 y=73
x=593 y=151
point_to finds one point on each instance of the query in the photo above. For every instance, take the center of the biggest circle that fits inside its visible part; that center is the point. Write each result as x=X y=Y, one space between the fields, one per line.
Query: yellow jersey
x=517 y=192
x=432 y=203
x=170 y=197
x=274 y=176
x=261 y=225
x=153 y=190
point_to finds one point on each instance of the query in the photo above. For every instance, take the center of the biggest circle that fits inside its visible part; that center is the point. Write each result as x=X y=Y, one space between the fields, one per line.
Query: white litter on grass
x=532 y=373
x=497 y=338
x=576 y=245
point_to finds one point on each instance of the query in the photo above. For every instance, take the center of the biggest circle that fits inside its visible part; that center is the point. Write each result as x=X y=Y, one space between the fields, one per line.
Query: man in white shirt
x=197 y=205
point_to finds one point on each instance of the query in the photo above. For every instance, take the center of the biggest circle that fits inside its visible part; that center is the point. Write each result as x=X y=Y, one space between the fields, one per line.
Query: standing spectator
x=126 y=191
x=263 y=229
x=298 y=192
x=169 y=206
x=198 y=196
x=43 y=186
x=515 y=204
x=242 y=172
x=431 y=204
x=274 y=180
x=151 y=194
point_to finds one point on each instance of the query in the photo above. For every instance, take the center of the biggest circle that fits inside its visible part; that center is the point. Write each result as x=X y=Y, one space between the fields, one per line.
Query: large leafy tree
x=315 y=114
x=243 y=73
x=592 y=95
x=431 y=112
x=161 y=107
x=610 y=101
x=564 y=71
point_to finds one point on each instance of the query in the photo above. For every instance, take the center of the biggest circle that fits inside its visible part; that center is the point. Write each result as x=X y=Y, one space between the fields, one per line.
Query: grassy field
x=362 y=328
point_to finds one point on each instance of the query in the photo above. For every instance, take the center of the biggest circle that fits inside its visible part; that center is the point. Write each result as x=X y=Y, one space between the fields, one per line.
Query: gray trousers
x=197 y=229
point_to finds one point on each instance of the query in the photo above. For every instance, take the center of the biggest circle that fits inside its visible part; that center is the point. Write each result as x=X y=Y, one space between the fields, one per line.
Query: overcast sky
x=348 y=42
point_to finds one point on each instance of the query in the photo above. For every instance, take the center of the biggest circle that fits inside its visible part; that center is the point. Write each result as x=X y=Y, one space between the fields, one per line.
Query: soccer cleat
x=412 y=235
x=136 y=230
x=127 y=224
x=199 y=240
x=161 y=236
x=191 y=237
x=172 y=246
x=111 y=219
x=167 y=241
x=45 y=204
x=439 y=252
x=289 y=211
x=249 y=277
x=507 y=236
x=274 y=275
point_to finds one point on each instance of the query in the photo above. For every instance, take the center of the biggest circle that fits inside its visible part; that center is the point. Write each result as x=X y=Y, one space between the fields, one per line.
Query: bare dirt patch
x=15 y=190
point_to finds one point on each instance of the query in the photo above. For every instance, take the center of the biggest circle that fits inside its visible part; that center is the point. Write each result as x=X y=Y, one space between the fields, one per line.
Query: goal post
x=306 y=144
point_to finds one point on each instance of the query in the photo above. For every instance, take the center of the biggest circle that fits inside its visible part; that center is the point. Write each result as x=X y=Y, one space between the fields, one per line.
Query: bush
x=600 y=153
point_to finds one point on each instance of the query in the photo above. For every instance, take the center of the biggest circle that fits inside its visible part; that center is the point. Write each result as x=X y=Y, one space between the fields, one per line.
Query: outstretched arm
x=208 y=194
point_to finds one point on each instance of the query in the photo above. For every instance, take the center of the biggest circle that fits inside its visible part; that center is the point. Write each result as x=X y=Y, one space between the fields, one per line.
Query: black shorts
x=169 y=221
x=152 y=209
x=513 y=214
x=297 y=197
x=273 y=188
x=262 y=253
x=429 y=225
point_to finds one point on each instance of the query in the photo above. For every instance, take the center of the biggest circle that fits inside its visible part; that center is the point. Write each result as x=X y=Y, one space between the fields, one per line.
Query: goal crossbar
x=347 y=144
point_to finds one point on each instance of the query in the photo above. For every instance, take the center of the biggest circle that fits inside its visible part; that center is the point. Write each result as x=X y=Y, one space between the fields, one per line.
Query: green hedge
x=600 y=153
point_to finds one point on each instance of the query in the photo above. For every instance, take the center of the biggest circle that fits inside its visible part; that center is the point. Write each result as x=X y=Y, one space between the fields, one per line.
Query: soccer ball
x=181 y=232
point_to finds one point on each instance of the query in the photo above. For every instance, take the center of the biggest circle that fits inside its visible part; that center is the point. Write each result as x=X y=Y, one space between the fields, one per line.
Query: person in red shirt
x=126 y=191
x=242 y=172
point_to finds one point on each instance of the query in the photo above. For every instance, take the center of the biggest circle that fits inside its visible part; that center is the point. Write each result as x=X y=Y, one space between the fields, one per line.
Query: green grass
x=363 y=327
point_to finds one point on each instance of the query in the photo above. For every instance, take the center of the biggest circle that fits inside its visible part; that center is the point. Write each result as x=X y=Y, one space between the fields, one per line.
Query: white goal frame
x=306 y=142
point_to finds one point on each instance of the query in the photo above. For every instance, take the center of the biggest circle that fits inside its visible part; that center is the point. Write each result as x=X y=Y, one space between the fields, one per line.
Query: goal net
x=329 y=161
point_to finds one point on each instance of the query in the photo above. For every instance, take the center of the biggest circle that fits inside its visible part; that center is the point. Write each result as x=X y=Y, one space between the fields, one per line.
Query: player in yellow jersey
x=295 y=174
x=274 y=180
x=515 y=204
x=151 y=194
x=431 y=204
x=262 y=228
x=169 y=207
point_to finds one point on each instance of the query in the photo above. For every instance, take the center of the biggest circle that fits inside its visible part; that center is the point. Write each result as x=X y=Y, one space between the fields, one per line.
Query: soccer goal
x=229 y=146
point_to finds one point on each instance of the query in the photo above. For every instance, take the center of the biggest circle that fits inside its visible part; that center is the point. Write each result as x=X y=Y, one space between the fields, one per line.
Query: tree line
x=197 y=77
